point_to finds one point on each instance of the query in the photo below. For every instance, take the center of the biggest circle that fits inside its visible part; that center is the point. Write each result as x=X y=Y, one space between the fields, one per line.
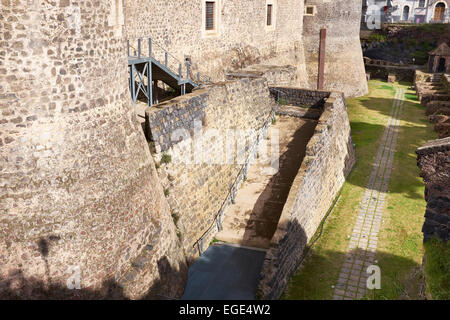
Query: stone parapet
x=433 y=161
x=329 y=158
x=300 y=97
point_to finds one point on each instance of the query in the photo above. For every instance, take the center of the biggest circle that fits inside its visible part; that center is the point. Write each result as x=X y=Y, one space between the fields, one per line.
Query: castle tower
x=344 y=67
x=80 y=199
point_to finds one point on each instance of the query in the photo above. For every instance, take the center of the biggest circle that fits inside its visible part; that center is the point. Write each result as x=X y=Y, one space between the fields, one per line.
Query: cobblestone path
x=363 y=242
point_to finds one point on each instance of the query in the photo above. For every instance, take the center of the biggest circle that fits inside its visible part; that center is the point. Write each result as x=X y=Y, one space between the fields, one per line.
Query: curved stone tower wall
x=79 y=191
x=344 y=66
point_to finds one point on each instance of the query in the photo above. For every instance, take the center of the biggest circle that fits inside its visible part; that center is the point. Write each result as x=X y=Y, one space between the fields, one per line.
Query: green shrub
x=282 y=101
x=175 y=217
x=377 y=37
x=166 y=158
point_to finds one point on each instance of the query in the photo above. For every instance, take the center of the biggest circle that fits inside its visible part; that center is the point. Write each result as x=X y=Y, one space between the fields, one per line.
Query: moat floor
x=253 y=218
x=225 y=272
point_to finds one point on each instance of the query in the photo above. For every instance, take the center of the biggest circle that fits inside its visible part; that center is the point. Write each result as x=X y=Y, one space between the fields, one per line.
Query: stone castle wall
x=242 y=38
x=329 y=158
x=79 y=187
x=432 y=159
x=344 y=67
x=79 y=190
x=210 y=135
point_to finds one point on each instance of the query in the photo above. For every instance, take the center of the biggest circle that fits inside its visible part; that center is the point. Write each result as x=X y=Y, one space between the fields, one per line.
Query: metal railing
x=217 y=221
x=279 y=94
x=141 y=48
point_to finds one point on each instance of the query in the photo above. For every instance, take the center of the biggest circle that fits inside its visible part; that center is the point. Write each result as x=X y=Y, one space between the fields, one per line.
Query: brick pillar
x=323 y=35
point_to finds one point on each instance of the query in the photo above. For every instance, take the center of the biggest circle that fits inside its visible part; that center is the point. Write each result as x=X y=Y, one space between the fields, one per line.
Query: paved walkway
x=363 y=242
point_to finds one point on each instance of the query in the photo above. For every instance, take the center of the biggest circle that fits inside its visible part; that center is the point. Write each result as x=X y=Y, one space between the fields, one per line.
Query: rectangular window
x=421 y=3
x=309 y=10
x=269 y=14
x=209 y=22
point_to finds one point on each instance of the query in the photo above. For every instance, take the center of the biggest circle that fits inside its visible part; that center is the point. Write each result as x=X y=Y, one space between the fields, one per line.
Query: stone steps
x=250 y=241
x=299 y=112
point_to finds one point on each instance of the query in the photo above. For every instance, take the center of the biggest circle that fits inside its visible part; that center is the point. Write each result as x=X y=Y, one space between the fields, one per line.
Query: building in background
x=412 y=11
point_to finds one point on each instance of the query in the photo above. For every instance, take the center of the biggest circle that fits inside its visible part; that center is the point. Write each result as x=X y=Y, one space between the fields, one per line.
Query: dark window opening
x=269 y=14
x=209 y=22
x=421 y=3
x=310 y=10
x=441 y=65
x=405 y=13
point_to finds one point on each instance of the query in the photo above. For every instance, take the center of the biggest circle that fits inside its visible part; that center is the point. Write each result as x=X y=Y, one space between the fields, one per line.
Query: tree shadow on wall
x=266 y=212
x=169 y=285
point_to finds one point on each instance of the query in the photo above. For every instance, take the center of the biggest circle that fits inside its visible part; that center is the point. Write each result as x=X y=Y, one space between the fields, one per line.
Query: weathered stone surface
x=210 y=135
x=300 y=97
x=434 y=106
x=79 y=189
x=433 y=161
x=242 y=38
x=443 y=128
x=382 y=72
x=275 y=75
x=299 y=112
x=433 y=90
x=329 y=159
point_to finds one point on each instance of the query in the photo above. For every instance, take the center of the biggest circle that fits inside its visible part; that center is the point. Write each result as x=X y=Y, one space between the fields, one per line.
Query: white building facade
x=412 y=11
x=420 y=11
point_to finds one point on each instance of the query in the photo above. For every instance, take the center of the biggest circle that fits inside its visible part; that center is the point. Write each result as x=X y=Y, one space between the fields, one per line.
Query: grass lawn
x=400 y=248
x=437 y=269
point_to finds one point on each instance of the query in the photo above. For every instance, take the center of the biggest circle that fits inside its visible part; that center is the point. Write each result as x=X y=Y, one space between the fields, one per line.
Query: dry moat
x=253 y=218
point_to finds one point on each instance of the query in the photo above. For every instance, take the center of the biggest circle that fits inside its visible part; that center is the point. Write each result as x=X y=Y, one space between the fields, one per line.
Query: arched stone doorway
x=439 y=11
x=405 y=15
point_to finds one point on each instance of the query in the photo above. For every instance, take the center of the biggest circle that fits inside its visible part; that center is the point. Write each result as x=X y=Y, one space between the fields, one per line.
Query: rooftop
x=442 y=50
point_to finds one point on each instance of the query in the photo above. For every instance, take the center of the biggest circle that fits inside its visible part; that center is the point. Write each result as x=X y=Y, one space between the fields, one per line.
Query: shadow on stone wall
x=170 y=285
x=267 y=209
x=282 y=260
